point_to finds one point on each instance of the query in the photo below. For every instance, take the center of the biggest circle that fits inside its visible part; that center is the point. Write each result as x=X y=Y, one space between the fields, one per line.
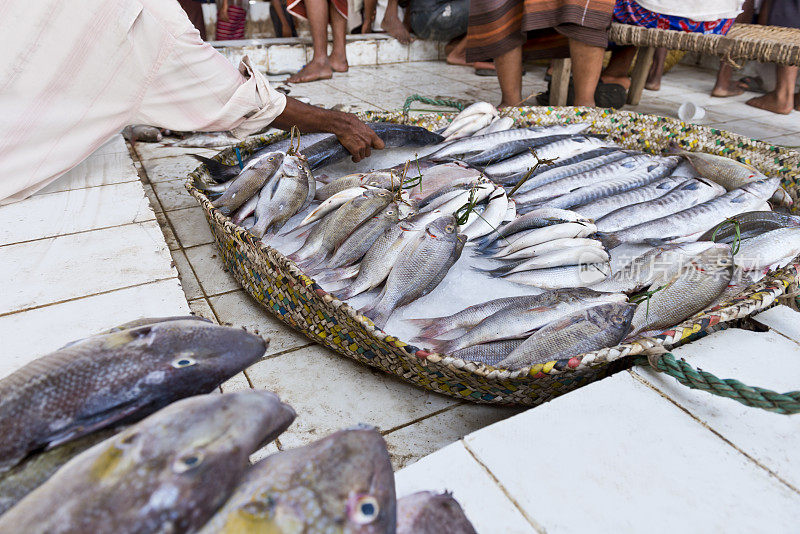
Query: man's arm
x=355 y=136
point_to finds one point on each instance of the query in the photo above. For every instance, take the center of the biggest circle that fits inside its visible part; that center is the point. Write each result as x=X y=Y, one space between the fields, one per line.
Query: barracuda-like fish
x=644 y=175
x=419 y=270
x=655 y=263
x=488 y=353
x=248 y=183
x=603 y=206
x=520 y=319
x=749 y=224
x=359 y=242
x=559 y=187
x=562 y=277
x=548 y=247
x=336 y=227
x=536 y=236
x=580 y=332
x=580 y=163
x=579 y=255
x=114 y=378
x=538 y=218
x=426 y=512
x=689 y=194
x=284 y=196
x=697 y=219
x=683 y=293
x=341 y=483
x=168 y=473
x=559 y=150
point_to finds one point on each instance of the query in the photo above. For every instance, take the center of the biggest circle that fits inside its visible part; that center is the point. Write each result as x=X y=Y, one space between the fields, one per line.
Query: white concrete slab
x=454 y=469
x=97 y=169
x=34 y=333
x=73 y=266
x=618 y=457
x=764 y=359
x=783 y=320
x=76 y=210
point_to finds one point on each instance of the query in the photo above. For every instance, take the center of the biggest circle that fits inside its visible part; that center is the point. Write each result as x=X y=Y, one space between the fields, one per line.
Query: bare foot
x=771 y=102
x=654 y=85
x=313 y=71
x=488 y=65
x=392 y=25
x=624 y=81
x=724 y=92
x=338 y=64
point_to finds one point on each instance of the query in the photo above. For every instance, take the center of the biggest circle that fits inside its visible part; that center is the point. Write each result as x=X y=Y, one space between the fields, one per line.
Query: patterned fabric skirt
x=298 y=8
x=498 y=26
x=629 y=12
x=234 y=27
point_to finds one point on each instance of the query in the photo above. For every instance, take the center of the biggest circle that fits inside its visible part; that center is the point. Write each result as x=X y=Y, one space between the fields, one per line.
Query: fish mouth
x=428 y=231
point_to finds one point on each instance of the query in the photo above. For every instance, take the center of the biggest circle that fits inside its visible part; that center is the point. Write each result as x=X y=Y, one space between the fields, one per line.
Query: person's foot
x=624 y=81
x=316 y=70
x=392 y=25
x=654 y=85
x=338 y=62
x=724 y=91
x=771 y=102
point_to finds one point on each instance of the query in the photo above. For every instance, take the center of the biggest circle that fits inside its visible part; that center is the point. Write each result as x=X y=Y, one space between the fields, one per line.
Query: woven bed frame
x=296 y=299
x=768 y=44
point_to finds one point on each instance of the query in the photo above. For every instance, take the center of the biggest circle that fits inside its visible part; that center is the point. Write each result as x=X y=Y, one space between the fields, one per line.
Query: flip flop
x=753 y=84
x=606 y=95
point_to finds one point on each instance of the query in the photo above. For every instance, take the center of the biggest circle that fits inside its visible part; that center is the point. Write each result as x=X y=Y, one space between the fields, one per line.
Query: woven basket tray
x=283 y=289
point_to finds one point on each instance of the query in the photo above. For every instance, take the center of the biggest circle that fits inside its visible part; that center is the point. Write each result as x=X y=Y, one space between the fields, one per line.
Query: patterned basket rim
x=758 y=296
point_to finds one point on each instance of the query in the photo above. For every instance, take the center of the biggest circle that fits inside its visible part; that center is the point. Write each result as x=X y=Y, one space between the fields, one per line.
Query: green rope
x=785 y=403
x=432 y=101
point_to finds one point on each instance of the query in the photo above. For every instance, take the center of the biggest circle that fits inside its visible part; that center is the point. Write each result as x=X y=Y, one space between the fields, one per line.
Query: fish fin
x=608 y=239
x=429 y=328
x=438 y=345
x=105 y=419
x=220 y=172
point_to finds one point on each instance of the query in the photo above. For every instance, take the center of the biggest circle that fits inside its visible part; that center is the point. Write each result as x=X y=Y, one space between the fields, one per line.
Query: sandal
x=607 y=95
x=754 y=84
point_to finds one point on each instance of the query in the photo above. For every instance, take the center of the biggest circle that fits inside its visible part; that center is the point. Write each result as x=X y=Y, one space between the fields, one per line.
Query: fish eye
x=366 y=510
x=187 y=462
x=180 y=363
x=449 y=228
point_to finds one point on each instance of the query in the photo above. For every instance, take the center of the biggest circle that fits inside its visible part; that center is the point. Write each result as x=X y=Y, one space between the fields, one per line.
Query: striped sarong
x=298 y=8
x=234 y=27
x=497 y=26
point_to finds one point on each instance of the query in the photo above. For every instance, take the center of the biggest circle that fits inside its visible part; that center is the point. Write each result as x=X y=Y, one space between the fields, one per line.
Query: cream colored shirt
x=72 y=74
x=699 y=10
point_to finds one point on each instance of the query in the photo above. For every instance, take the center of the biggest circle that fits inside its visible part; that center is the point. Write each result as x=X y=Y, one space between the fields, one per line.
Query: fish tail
x=440 y=346
x=429 y=328
x=220 y=172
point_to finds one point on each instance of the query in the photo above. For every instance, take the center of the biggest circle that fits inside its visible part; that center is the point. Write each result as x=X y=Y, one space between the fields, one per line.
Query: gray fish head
x=376 y=193
x=192 y=453
x=428 y=512
x=617 y=316
x=391 y=212
x=716 y=260
x=181 y=358
x=347 y=475
x=445 y=228
x=269 y=162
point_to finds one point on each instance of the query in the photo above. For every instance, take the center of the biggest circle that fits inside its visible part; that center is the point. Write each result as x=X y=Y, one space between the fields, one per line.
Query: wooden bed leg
x=560 y=84
x=644 y=58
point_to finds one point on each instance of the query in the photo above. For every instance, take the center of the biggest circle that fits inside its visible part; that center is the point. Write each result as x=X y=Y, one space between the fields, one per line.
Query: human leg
x=618 y=66
x=338 y=57
x=319 y=68
x=782 y=98
x=656 y=70
x=585 y=78
x=509 y=73
x=392 y=24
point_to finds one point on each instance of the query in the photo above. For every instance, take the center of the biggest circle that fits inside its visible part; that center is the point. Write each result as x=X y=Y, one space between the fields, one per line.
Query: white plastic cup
x=690 y=112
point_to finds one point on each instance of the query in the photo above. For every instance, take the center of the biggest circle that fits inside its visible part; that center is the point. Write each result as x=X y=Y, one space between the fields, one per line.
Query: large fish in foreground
x=168 y=473
x=427 y=512
x=342 y=483
x=583 y=331
x=113 y=378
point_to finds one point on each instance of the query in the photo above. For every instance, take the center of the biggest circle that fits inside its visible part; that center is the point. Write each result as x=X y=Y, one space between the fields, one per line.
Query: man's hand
x=223 y=12
x=358 y=138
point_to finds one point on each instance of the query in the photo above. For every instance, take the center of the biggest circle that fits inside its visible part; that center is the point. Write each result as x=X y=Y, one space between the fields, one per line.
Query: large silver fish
x=697 y=219
x=112 y=378
x=488 y=353
x=683 y=293
x=583 y=331
x=420 y=269
x=168 y=473
x=560 y=277
x=284 y=196
x=580 y=163
x=379 y=179
x=522 y=318
x=342 y=483
x=537 y=218
x=426 y=512
x=761 y=252
x=728 y=173
x=603 y=206
x=689 y=194
x=558 y=150
x=249 y=182
x=749 y=224
x=580 y=255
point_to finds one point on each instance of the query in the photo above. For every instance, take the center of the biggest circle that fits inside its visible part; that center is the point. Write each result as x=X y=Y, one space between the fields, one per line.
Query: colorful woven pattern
x=294 y=298
x=630 y=12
